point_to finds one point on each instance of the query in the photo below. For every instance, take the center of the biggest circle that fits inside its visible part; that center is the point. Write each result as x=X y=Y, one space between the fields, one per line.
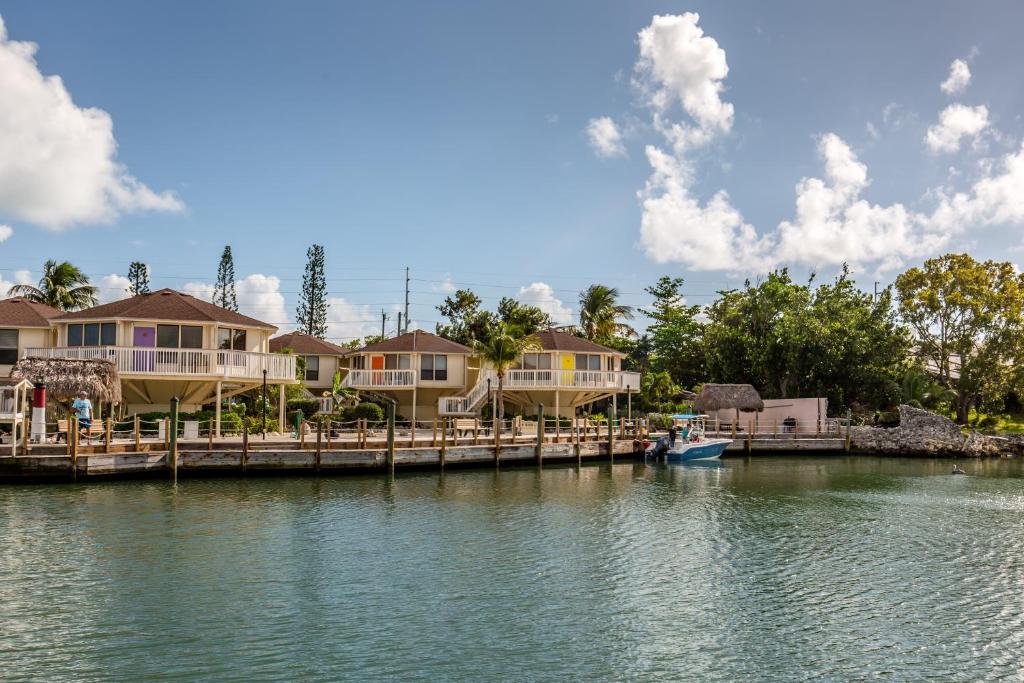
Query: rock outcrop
x=926 y=434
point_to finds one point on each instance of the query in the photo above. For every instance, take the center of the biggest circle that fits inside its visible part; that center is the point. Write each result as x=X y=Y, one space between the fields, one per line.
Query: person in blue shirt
x=685 y=432
x=83 y=411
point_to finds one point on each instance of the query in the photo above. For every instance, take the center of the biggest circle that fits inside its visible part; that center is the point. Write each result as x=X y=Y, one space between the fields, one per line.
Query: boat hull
x=703 y=450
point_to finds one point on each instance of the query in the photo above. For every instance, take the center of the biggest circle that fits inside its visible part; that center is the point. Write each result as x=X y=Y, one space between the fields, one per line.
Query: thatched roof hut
x=65 y=377
x=741 y=397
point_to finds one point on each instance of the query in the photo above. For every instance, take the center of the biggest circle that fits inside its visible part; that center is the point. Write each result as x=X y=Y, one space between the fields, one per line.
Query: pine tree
x=138 y=278
x=224 y=291
x=311 y=313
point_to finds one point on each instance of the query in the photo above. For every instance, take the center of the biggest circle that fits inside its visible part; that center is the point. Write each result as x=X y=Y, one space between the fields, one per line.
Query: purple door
x=142 y=361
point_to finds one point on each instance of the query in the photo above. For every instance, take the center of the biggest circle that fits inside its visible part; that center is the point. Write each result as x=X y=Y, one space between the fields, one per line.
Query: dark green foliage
x=468 y=324
x=138 y=278
x=224 y=290
x=311 y=313
x=365 y=411
x=308 y=406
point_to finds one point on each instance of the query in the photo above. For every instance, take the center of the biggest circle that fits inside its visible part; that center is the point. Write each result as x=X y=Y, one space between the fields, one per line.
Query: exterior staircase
x=468 y=404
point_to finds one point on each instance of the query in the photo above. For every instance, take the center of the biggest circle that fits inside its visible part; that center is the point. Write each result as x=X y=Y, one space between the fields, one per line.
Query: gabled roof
x=413 y=342
x=556 y=340
x=303 y=343
x=166 y=304
x=20 y=312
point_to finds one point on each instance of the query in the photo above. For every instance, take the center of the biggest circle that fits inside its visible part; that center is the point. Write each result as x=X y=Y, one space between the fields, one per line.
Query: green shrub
x=255 y=424
x=367 y=411
x=308 y=406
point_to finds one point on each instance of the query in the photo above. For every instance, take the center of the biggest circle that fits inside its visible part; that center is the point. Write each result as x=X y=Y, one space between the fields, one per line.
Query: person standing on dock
x=83 y=411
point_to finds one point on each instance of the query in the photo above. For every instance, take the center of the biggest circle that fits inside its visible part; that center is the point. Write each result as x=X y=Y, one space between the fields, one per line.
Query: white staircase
x=467 y=405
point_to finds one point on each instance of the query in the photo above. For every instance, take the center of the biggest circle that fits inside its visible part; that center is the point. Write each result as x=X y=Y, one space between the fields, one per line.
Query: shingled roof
x=556 y=340
x=306 y=344
x=165 y=304
x=415 y=341
x=20 y=312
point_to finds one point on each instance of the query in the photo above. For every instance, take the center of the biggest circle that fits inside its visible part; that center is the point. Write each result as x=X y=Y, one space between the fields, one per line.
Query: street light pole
x=265 y=404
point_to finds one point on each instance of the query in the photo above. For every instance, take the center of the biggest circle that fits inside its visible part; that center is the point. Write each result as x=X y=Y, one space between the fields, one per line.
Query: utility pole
x=875 y=300
x=406 y=299
x=399 y=324
x=383 y=319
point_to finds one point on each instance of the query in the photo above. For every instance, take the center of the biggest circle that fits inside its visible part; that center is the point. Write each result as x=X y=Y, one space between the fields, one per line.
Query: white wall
x=805 y=410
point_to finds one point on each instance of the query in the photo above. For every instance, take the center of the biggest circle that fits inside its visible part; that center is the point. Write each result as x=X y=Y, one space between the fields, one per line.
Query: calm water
x=782 y=568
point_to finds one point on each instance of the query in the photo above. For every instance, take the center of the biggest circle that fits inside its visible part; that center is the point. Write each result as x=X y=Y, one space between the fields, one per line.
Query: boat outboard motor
x=661 y=447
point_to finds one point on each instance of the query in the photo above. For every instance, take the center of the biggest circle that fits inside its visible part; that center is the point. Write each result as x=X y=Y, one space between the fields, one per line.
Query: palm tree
x=600 y=313
x=341 y=395
x=919 y=389
x=62 y=286
x=502 y=347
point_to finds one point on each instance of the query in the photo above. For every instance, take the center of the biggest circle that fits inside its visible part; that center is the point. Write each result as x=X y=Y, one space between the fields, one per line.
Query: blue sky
x=453 y=138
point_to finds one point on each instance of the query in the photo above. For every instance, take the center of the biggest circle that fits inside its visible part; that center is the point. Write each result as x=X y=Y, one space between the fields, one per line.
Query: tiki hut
x=65 y=377
x=738 y=397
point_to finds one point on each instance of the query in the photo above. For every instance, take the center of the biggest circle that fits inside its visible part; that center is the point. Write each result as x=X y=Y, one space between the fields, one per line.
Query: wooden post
x=391 y=436
x=750 y=437
x=137 y=434
x=476 y=431
x=167 y=435
x=302 y=435
x=849 y=422
x=361 y=432
x=540 y=433
x=412 y=431
x=245 y=444
x=497 y=439
x=329 y=430
x=444 y=440
x=172 y=447
x=319 y=440
x=734 y=428
x=611 y=440
x=25 y=425
x=775 y=429
x=817 y=432
x=108 y=426
x=433 y=439
x=73 y=444
x=209 y=437
x=576 y=441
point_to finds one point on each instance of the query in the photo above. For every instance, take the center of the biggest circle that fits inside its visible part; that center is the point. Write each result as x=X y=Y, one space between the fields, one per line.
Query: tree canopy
x=311 y=312
x=63 y=286
x=968 y=319
x=468 y=323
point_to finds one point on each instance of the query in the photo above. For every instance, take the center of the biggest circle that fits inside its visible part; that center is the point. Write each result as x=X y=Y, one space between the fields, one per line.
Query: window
x=8 y=347
x=588 y=361
x=535 y=361
x=397 y=361
x=92 y=334
x=312 y=368
x=230 y=339
x=434 y=368
x=179 y=336
x=359 y=363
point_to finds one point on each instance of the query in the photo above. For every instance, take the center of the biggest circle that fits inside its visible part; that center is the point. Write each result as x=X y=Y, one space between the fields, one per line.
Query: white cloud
x=58 y=167
x=995 y=199
x=955 y=123
x=5 y=232
x=259 y=296
x=872 y=130
x=959 y=78
x=347 y=321
x=833 y=224
x=445 y=285
x=675 y=227
x=605 y=138
x=541 y=295
x=551 y=118
x=112 y=287
x=678 y=63
x=19 y=277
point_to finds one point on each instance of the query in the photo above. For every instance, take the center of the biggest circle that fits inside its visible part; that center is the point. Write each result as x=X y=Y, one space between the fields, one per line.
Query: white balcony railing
x=570 y=379
x=379 y=379
x=231 y=365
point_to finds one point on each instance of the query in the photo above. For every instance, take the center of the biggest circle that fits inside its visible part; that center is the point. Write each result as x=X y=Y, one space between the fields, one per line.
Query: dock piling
x=540 y=433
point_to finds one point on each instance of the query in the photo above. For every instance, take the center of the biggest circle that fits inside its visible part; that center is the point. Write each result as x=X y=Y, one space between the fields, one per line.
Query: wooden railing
x=181 y=362
x=464 y=405
x=380 y=378
x=571 y=379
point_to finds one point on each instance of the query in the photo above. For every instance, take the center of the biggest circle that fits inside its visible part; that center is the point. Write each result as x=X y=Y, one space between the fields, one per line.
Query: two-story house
x=23 y=325
x=563 y=373
x=321 y=359
x=167 y=344
x=416 y=370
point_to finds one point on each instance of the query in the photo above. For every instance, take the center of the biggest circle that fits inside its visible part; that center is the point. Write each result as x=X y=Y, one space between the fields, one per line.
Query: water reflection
x=779 y=568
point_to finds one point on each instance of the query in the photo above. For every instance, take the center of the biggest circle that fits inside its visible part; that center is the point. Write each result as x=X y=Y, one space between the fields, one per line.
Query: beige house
x=565 y=373
x=417 y=370
x=322 y=359
x=23 y=325
x=167 y=344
